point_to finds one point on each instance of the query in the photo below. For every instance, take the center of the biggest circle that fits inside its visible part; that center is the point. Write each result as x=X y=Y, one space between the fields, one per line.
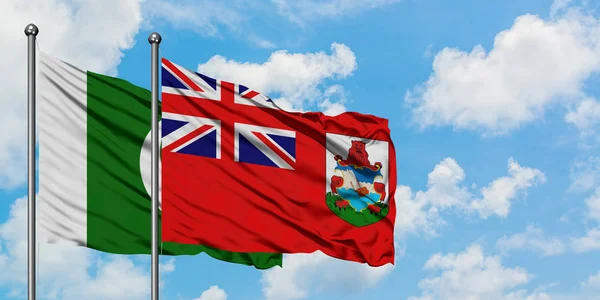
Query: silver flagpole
x=154 y=39
x=31 y=32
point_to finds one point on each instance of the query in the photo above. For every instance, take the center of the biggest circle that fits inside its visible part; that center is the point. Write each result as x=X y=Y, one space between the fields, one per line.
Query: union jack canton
x=200 y=136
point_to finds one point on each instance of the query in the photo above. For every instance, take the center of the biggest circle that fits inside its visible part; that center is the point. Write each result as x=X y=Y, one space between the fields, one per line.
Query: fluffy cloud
x=301 y=11
x=204 y=17
x=216 y=19
x=586 y=116
x=593 y=205
x=589 y=242
x=532 y=239
x=334 y=102
x=209 y=18
x=585 y=174
x=75 y=31
x=167 y=267
x=472 y=275
x=419 y=211
x=213 y=293
x=496 y=197
x=296 y=78
x=532 y=66
x=593 y=282
x=117 y=278
x=66 y=272
x=524 y=295
x=309 y=273
x=416 y=212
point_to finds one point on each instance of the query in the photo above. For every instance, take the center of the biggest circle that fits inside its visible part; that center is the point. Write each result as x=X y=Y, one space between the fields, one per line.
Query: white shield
x=338 y=144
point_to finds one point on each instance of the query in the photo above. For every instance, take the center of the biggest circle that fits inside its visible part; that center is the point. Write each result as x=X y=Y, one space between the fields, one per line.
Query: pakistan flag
x=94 y=166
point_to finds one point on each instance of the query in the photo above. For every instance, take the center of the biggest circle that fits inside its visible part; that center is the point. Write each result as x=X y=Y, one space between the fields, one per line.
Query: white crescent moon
x=146 y=168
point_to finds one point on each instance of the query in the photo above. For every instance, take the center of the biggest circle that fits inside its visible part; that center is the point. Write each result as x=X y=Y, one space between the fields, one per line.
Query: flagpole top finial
x=31 y=29
x=154 y=38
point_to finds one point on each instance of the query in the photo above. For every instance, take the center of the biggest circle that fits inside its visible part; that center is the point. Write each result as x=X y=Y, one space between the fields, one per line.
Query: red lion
x=358 y=157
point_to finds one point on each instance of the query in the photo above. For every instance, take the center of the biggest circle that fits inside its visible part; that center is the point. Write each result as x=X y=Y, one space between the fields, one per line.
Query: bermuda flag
x=241 y=174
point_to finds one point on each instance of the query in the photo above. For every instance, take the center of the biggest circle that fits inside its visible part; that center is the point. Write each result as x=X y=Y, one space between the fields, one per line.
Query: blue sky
x=493 y=110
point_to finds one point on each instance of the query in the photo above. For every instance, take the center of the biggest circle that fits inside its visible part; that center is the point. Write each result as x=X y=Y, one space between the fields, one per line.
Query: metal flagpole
x=154 y=39
x=31 y=32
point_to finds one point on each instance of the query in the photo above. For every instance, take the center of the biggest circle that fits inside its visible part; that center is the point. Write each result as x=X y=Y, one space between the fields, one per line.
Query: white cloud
x=585 y=175
x=443 y=184
x=587 y=243
x=497 y=196
x=332 y=108
x=532 y=239
x=428 y=52
x=472 y=275
x=414 y=214
x=203 y=17
x=66 y=27
x=586 y=116
x=591 y=241
x=524 y=295
x=305 y=274
x=168 y=267
x=532 y=66
x=419 y=211
x=214 y=18
x=209 y=18
x=296 y=78
x=261 y=42
x=165 y=268
x=301 y=11
x=593 y=282
x=66 y=272
x=559 y=6
x=118 y=278
x=213 y=293
x=334 y=101
x=593 y=205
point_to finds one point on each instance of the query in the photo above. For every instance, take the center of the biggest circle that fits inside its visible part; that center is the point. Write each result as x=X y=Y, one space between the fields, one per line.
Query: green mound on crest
x=348 y=214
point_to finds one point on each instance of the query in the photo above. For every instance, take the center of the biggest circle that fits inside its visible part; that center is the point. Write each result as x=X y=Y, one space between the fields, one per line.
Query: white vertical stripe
x=62 y=115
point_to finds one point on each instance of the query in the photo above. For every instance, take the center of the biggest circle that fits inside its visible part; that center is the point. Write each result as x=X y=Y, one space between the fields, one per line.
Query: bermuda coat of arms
x=357 y=191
